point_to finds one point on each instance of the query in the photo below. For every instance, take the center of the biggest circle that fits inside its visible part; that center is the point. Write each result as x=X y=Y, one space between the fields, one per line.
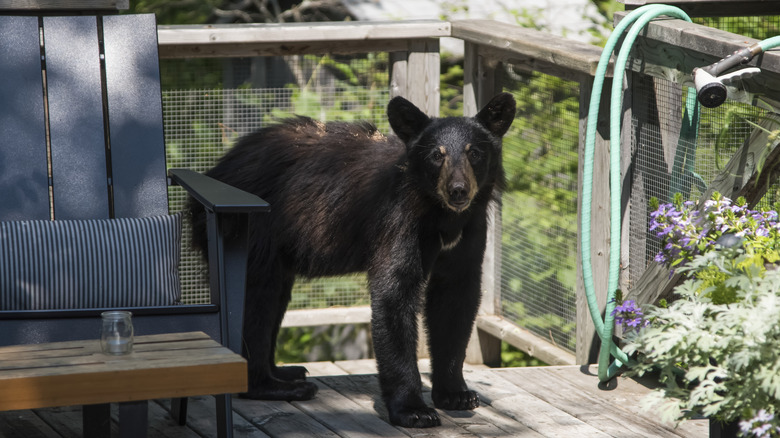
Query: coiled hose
x=605 y=327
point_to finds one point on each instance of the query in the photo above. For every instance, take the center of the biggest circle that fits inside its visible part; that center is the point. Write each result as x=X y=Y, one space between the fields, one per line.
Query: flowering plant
x=687 y=230
x=717 y=346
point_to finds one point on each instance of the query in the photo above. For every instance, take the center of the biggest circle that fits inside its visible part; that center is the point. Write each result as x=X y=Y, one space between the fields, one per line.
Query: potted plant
x=716 y=347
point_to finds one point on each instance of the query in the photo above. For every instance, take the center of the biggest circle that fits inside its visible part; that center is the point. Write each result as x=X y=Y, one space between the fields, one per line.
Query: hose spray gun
x=711 y=82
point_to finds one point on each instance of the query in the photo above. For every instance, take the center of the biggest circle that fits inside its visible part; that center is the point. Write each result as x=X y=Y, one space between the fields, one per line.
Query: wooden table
x=78 y=373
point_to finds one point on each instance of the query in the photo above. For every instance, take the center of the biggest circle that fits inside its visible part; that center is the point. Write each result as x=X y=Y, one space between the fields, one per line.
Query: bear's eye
x=475 y=155
x=437 y=156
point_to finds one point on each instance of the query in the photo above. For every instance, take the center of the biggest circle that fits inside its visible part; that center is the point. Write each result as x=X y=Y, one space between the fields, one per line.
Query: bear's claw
x=456 y=401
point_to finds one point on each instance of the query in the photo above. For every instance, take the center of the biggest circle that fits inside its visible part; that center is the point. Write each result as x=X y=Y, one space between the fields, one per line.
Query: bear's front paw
x=291 y=373
x=414 y=417
x=456 y=401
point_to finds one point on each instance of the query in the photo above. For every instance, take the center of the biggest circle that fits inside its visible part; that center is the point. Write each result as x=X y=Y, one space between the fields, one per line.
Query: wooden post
x=587 y=340
x=479 y=87
x=415 y=75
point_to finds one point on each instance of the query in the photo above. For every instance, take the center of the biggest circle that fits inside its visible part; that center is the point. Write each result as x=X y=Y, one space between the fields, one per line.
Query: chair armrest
x=228 y=248
x=216 y=195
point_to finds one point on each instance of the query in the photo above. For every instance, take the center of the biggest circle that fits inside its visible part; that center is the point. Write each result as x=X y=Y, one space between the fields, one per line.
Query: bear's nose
x=458 y=193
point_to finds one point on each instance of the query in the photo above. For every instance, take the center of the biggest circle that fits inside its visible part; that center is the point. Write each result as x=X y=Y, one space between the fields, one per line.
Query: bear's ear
x=406 y=120
x=498 y=114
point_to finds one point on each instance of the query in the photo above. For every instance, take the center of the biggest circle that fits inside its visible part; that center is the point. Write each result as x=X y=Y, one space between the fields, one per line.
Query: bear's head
x=454 y=157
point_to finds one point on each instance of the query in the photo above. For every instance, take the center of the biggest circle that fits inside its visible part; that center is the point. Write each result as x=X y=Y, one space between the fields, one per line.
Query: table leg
x=179 y=410
x=96 y=420
x=133 y=419
x=224 y=405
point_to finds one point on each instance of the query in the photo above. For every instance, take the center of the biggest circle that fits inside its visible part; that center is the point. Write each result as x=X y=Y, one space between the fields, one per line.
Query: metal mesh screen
x=539 y=208
x=657 y=113
x=656 y=124
x=201 y=124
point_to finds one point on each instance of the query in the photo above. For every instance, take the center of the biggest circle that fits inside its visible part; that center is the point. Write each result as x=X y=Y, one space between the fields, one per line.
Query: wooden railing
x=669 y=50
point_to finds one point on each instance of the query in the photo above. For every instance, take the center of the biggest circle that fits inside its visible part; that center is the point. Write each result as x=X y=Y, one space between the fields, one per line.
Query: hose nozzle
x=709 y=90
x=711 y=85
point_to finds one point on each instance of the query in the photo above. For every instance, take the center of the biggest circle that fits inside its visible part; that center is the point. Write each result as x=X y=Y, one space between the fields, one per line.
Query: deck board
x=557 y=401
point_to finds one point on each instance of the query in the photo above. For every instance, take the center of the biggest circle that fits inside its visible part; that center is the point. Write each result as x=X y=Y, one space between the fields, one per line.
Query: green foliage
x=541 y=146
x=720 y=361
x=752 y=27
x=357 y=94
x=182 y=12
x=316 y=293
x=539 y=207
x=451 y=89
x=512 y=357
x=311 y=344
x=194 y=73
x=607 y=8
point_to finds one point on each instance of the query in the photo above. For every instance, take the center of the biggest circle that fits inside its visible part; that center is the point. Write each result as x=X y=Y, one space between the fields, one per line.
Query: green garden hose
x=605 y=327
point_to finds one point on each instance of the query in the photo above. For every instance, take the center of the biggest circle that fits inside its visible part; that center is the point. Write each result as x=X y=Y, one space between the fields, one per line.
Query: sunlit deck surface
x=559 y=401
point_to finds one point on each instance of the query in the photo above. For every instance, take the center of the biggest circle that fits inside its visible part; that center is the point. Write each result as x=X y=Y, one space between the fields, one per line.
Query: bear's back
x=330 y=187
x=302 y=151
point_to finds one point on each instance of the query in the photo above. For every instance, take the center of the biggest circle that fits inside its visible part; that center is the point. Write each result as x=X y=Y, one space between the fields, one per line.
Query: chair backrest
x=81 y=133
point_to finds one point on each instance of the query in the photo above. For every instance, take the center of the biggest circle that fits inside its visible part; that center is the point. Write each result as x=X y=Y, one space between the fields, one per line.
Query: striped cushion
x=83 y=264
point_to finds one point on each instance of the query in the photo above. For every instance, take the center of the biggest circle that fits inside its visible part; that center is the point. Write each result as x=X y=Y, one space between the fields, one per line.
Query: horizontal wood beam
x=490 y=324
x=247 y=40
x=328 y=316
x=539 y=51
x=525 y=340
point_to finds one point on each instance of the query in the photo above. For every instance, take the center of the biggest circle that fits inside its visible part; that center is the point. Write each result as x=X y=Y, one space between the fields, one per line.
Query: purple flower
x=627 y=314
x=686 y=231
x=758 y=426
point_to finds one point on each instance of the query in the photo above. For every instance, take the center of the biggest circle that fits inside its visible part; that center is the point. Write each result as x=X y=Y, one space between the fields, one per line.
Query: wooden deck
x=560 y=402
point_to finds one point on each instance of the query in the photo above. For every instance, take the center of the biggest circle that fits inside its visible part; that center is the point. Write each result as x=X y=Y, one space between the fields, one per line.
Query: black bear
x=409 y=210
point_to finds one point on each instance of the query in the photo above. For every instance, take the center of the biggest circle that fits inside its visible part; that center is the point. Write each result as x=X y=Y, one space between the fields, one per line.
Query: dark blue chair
x=81 y=138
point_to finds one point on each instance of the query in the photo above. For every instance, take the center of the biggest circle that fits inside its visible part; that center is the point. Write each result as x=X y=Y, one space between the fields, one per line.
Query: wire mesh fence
x=201 y=124
x=205 y=112
x=655 y=124
x=538 y=271
x=657 y=114
x=539 y=207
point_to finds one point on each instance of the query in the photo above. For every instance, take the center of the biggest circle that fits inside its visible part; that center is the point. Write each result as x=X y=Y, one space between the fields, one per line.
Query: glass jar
x=116 y=336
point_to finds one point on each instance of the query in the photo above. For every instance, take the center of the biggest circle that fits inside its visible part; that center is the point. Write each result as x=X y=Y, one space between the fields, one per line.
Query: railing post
x=587 y=343
x=415 y=75
x=479 y=86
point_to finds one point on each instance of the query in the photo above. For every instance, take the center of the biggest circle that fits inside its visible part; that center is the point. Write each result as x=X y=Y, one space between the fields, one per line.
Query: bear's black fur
x=410 y=210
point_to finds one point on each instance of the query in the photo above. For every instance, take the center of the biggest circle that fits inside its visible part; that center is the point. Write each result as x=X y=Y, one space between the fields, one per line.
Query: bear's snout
x=458 y=185
x=459 y=195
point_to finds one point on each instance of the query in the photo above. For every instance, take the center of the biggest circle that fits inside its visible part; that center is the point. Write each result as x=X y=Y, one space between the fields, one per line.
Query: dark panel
x=135 y=115
x=76 y=117
x=24 y=192
x=50 y=327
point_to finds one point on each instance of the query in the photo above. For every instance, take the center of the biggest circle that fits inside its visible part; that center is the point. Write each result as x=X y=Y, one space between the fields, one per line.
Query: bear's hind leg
x=288 y=373
x=268 y=294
